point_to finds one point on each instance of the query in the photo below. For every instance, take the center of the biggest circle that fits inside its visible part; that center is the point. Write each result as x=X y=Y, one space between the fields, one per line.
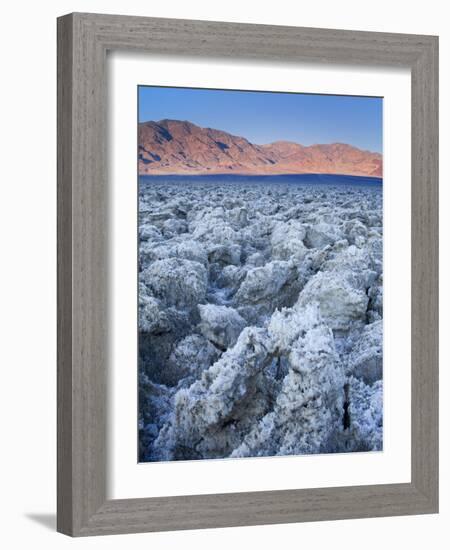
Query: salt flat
x=260 y=316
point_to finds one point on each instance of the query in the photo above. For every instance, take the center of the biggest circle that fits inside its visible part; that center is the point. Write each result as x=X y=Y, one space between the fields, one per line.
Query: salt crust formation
x=260 y=319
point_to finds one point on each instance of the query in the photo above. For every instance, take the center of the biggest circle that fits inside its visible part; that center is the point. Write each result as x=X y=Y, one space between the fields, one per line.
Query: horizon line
x=243 y=174
x=262 y=175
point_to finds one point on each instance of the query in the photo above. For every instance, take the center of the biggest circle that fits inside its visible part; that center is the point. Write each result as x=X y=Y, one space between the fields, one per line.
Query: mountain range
x=181 y=147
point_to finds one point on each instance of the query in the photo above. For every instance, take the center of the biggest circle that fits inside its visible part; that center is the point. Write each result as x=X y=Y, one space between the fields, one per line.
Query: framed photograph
x=247 y=274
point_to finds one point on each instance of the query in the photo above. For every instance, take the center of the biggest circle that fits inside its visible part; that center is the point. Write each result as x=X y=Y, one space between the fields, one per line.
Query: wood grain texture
x=64 y=251
x=83 y=41
x=425 y=272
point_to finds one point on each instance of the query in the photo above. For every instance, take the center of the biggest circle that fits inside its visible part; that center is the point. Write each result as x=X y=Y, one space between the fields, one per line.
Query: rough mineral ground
x=260 y=318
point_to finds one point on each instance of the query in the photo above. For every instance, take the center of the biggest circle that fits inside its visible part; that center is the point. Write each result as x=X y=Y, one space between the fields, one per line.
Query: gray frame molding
x=83 y=40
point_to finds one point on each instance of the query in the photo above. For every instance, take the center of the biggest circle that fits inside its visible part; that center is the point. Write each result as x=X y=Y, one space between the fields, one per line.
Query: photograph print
x=260 y=265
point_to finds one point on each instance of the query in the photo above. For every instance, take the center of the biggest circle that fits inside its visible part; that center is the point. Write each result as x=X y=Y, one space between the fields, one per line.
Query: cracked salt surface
x=260 y=316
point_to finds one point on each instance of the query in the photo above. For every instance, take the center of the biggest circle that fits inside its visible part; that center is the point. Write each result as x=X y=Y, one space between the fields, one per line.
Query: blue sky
x=264 y=117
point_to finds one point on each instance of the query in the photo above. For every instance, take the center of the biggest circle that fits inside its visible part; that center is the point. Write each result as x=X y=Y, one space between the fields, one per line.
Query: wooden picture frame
x=83 y=41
